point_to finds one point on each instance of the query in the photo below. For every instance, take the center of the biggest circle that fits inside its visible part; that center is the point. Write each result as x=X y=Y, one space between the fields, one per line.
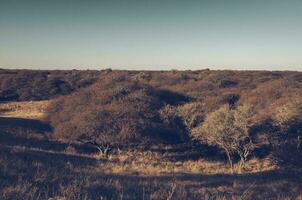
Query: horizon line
x=137 y=68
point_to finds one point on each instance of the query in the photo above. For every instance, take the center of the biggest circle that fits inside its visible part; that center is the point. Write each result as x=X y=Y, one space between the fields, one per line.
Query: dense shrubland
x=114 y=110
x=129 y=106
x=114 y=107
x=24 y=85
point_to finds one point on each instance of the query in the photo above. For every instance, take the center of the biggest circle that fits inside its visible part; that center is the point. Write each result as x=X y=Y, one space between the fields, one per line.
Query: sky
x=151 y=34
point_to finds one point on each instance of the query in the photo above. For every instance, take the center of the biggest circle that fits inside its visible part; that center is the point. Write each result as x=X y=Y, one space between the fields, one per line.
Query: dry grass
x=28 y=172
x=27 y=110
x=40 y=177
x=153 y=163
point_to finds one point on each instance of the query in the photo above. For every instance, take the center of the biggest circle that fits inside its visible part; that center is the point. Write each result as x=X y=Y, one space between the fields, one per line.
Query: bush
x=225 y=83
x=173 y=122
x=228 y=129
x=114 y=110
x=192 y=114
x=286 y=137
x=183 y=118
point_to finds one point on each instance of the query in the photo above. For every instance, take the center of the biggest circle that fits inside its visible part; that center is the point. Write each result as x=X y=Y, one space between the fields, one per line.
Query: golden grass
x=149 y=163
x=27 y=109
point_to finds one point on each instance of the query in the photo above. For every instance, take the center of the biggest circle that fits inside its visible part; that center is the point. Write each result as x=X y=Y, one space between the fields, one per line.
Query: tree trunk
x=241 y=164
x=230 y=159
x=243 y=158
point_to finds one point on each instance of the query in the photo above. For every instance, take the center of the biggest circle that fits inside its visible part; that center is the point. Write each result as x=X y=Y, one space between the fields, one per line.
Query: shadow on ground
x=25 y=124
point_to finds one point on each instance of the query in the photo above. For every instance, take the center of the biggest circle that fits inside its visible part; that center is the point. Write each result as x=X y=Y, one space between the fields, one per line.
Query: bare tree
x=228 y=129
x=104 y=149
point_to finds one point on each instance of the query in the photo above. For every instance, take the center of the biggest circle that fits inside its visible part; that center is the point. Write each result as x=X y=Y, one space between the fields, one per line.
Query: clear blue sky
x=151 y=34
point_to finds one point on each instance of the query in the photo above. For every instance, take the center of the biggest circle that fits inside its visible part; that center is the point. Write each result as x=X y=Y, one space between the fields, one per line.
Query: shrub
x=114 y=110
x=192 y=114
x=228 y=129
x=225 y=83
x=173 y=122
x=232 y=99
x=183 y=118
x=286 y=137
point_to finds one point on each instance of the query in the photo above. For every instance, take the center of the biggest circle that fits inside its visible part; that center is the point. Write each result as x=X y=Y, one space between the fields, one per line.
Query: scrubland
x=158 y=127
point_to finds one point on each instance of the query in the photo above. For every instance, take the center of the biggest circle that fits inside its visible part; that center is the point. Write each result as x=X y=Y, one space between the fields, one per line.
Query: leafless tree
x=104 y=149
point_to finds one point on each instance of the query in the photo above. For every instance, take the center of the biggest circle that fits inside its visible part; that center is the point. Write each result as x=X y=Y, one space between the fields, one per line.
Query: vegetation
x=150 y=134
x=228 y=129
x=118 y=114
x=286 y=136
x=24 y=85
x=138 y=107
